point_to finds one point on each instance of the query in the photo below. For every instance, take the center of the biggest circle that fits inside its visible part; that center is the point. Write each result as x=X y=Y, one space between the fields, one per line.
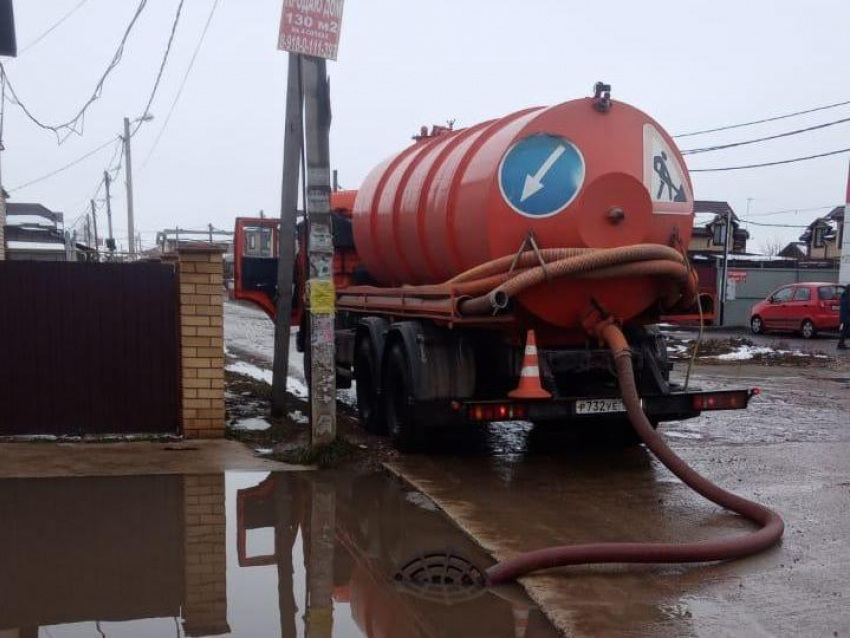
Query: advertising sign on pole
x=311 y=27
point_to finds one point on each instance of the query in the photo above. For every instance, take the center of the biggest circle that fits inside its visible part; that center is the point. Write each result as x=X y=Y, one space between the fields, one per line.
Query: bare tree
x=771 y=247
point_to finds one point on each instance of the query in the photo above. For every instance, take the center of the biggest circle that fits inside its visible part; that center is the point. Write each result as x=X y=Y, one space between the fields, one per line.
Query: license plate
x=599 y=406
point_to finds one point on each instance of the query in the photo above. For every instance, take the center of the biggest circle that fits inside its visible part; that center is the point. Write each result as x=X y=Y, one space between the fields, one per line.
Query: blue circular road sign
x=541 y=175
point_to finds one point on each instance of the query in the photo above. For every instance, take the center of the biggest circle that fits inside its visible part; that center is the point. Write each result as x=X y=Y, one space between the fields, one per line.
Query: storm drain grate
x=441 y=577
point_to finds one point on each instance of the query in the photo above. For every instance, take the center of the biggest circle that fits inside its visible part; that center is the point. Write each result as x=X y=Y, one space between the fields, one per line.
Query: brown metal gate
x=88 y=348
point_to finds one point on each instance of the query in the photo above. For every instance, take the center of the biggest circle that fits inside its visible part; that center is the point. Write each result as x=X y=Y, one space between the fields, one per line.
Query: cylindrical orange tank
x=574 y=174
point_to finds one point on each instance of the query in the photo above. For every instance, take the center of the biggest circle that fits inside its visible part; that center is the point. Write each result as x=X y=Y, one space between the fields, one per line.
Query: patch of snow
x=29 y=220
x=296 y=416
x=744 y=353
x=254 y=424
x=295 y=386
x=263 y=451
x=250 y=370
x=35 y=245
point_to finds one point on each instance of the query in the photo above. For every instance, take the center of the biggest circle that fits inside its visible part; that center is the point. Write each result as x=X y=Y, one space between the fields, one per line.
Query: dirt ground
x=512 y=488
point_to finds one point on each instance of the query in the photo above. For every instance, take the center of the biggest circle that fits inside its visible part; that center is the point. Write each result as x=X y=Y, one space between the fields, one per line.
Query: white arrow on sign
x=534 y=183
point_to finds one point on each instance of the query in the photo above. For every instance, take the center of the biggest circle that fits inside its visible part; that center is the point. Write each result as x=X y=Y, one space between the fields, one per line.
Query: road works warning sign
x=663 y=176
x=311 y=27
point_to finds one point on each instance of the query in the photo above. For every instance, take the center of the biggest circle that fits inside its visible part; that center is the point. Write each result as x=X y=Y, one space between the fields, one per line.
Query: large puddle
x=242 y=554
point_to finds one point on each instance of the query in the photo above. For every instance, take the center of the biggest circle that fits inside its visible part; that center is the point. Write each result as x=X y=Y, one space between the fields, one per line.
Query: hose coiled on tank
x=639 y=260
x=771 y=526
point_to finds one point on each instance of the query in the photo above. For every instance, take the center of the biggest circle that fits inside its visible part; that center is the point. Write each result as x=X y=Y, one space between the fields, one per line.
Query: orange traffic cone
x=529 y=379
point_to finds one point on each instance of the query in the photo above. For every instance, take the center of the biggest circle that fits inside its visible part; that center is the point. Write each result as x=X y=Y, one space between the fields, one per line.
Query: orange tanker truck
x=478 y=270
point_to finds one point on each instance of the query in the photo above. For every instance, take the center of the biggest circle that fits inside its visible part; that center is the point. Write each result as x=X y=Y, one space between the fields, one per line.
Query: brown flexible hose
x=771 y=526
x=586 y=262
x=525 y=259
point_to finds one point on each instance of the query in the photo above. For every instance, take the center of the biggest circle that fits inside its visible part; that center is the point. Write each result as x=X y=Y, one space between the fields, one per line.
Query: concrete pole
x=292 y=146
x=107 y=180
x=318 y=620
x=320 y=287
x=844 y=234
x=94 y=220
x=128 y=161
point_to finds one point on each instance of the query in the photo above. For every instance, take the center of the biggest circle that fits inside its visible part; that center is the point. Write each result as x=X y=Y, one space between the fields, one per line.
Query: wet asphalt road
x=515 y=489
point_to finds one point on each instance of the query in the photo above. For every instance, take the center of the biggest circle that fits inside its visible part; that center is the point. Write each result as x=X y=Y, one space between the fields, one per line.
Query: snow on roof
x=35 y=245
x=29 y=220
x=755 y=258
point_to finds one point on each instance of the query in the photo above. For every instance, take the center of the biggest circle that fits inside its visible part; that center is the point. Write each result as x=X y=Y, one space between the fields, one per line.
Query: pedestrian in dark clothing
x=844 y=318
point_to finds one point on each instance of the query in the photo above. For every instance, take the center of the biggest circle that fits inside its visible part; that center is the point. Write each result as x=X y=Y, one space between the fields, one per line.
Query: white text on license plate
x=599 y=406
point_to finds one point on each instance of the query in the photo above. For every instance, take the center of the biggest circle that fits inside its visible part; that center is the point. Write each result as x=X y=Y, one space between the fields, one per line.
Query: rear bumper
x=675 y=406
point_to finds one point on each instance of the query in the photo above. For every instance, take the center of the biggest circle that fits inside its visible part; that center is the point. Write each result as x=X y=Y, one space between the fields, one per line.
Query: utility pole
x=128 y=161
x=724 y=271
x=88 y=230
x=292 y=146
x=320 y=287
x=94 y=219
x=110 y=242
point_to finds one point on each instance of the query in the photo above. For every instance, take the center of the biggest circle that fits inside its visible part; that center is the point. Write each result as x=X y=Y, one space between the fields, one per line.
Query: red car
x=805 y=308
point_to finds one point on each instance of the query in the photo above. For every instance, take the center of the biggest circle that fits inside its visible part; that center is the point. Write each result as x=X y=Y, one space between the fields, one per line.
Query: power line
x=182 y=83
x=55 y=26
x=721 y=147
x=162 y=65
x=762 y=224
x=767 y=119
x=76 y=123
x=792 y=210
x=63 y=168
x=765 y=164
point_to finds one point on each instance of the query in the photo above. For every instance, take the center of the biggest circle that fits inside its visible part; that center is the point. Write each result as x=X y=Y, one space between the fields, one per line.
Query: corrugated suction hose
x=771 y=526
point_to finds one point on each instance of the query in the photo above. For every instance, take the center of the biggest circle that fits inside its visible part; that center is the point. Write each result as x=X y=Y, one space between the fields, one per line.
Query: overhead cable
x=53 y=27
x=765 y=164
x=762 y=121
x=63 y=168
x=182 y=83
x=808 y=129
x=76 y=123
x=162 y=65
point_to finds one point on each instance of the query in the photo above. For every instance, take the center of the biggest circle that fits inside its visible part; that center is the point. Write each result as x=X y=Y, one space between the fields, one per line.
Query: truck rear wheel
x=368 y=399
x=399 y=413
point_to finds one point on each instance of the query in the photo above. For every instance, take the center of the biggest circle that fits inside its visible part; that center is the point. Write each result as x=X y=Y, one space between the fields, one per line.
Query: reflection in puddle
x=243 y=554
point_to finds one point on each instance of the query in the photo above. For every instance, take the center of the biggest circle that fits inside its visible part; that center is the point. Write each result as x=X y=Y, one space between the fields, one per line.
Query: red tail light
x=723 y=400
x=496 y=411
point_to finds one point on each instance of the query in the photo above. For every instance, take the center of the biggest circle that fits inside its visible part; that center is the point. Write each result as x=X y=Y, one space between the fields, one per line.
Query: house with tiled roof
x=709 y=231
x=824 y=235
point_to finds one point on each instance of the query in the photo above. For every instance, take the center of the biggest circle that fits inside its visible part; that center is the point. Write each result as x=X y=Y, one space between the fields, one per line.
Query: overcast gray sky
x=691 y=65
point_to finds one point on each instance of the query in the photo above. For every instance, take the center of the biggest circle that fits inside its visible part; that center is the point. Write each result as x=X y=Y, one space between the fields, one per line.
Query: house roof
x=717 y=208
x=18 y=209
x=831 y=222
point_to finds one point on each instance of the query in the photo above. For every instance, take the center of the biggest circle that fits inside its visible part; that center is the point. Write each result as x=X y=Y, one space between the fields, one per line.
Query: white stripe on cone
x=530 y=371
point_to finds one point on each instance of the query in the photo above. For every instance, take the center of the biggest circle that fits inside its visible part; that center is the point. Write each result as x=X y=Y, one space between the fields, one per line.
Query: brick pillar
x=205 y=595
x=202 y=342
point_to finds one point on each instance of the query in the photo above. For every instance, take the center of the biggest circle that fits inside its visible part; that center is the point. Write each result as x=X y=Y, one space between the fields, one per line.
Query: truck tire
x=399 y=411
x=368 y=398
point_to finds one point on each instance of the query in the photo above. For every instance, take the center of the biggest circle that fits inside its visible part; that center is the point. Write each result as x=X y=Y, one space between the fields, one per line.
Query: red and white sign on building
x=311 y=27
x=738 y=276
